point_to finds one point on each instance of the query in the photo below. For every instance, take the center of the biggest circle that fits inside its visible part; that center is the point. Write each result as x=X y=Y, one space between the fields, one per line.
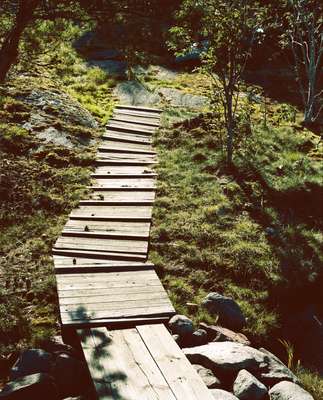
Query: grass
x=252 y=232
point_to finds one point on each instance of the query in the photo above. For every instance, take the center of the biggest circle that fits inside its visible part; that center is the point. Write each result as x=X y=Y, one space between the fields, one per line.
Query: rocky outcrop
x=30 y=362
x=288 y=391
x=228 y=311
x=248 y=387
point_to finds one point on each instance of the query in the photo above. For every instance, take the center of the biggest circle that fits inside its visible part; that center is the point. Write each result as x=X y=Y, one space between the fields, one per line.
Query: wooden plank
x=115 y=144
x=122 y=177
x=149 y=110
x=177 y=370
x=130 y=136
x=124 y=182
x=130 y=129
x=105 y=161
x=113 y=211
x=83 y=315
x=112 y=291
x=147 y=116
x=79 y=262
x=104 y=235
x=123 y=170
x=117 y=228
x=120 y=138
x=119 y=323
x=127 y=156
x=115 y=203
x=130 y=359
x=99 y=255
x=135 y=189
x=103 y=148
x=102 y=245
x=133 y=120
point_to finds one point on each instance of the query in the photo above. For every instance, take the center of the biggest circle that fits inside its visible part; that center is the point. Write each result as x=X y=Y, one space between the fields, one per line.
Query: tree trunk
x=230 y=128
x=10 y=48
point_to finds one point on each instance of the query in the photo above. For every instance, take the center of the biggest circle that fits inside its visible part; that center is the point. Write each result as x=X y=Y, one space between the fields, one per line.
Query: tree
x=305 y=38
x=18 y=15
x=229 y=30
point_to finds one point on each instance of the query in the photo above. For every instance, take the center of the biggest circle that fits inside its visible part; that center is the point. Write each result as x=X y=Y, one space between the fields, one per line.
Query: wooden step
x=90 y=217
x=103 y=268
x=112 y=144
x=103 y=161
x=125 y=150
x=122 y=189
x=138 y=108
x=137 y=114
x=115 y=203
x=133 y=120
x=99 y=255
x=122 y=176
x=124 y=139
x=130 y=128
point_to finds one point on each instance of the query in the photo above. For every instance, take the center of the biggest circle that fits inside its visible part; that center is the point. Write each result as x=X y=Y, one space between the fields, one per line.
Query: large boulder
x=277 y=371
x=199 y=337
x=248 y=387
x=35 y=386
x=218 y=333
x=226 y=359
x=181 y=325
x=288 y=391
x=31 y=362
x=229 y=312
x=210 y=380
x=219 y=394
x=70 y=375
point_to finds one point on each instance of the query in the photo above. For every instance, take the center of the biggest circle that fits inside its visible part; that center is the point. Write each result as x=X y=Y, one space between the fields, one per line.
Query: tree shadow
x=95 y=349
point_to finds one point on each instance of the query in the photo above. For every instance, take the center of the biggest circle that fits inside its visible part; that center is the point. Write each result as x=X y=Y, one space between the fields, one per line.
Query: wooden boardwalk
x=106 y=288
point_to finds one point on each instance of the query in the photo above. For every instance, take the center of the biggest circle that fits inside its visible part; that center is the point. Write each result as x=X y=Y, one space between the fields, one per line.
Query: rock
x=199 y=337
x=34 y=386
x=277 y=371
x=210 y=380
x=70 y=375
x=247 y=387
x=57 y=346
x=31 y=362
x=227 y=309
x=219 y=334
x=181 y=325
x=117 y=68
x=219 y=394
x=288 y=391
x=226 y=359
x=134 y=93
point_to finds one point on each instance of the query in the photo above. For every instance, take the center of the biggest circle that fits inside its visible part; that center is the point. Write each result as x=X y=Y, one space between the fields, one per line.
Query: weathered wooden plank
x=124 y=182
x=104 y=235
x=130 y=136
x=178 y=372
x=115 y=203
x=130 y=128
x=117 y=228
x=148 y=110
x=104 y=161
x=112 y=291
x=141 y=114
x=75 y=262
x=130 y=359
x=127 y=156
x=134 y=276
x=113 y=211
x=120 y=138
x=116 y=149
x=133 y=120
x=83 y=314
x=116 y=144
x=121 y=189
x=123 y=170
x=99 y=255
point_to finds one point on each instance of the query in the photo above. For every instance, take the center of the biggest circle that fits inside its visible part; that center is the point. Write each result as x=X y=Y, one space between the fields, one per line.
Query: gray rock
x=218 y=333
x=70 y=375
x=219 y=394
x=288 y=391
x=227 y=309
x=181 y=325
x=31 y=362
x=134 y=93
x=277 y=371
x=226 y=359
x=199 y=337
x=112 y=67
x=30 y=387
x=210 y=380
x=247 y=387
